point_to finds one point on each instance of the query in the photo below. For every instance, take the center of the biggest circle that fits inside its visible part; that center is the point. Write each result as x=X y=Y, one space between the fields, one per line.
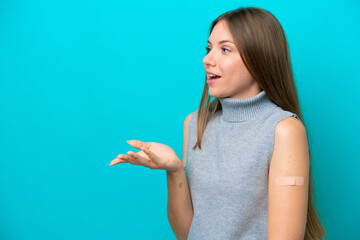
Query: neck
x=242 y=109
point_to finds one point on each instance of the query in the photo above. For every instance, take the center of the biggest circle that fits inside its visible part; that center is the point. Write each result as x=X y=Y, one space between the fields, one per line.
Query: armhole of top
x=188 y=139
x=296 y=116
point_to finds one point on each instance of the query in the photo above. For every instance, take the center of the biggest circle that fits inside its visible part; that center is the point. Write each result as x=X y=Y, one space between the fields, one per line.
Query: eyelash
x=209 y=49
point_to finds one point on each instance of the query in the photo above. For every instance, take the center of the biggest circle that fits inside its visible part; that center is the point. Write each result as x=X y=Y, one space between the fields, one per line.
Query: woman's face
x=223 y=60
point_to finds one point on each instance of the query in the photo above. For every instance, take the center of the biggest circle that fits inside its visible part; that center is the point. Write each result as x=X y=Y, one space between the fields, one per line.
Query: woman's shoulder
x=190 y=117
x=287 y=121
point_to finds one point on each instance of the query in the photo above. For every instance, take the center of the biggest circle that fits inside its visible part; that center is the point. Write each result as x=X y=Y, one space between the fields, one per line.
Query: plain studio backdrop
x=79 y=78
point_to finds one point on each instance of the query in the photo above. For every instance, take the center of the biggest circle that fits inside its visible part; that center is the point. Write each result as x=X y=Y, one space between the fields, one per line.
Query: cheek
x=234 y=68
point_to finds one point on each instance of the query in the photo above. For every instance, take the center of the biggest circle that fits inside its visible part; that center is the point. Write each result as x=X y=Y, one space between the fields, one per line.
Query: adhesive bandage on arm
x=289 y=180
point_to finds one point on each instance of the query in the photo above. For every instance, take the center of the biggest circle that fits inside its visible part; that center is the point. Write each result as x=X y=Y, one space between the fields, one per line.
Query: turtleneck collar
x=242 y=109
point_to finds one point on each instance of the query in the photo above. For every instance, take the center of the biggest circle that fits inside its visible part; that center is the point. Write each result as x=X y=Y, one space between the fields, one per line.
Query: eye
x=225 y=49
x=207 y=50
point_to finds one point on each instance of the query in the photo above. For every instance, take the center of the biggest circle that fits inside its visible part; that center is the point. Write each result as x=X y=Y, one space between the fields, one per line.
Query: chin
x=216 y=95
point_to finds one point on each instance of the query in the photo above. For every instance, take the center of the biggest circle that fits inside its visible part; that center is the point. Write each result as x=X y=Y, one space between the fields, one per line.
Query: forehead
x=220 y=32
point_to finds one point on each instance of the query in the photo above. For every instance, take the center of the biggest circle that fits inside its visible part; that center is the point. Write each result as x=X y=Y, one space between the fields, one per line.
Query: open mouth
x=213 y=77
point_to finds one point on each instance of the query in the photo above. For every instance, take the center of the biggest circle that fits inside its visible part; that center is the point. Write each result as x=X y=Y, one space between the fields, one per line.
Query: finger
x=117 y=161
x=141 y=160
x=122 y=158
x=138 y=144
x=150 y=154
x=130 y=159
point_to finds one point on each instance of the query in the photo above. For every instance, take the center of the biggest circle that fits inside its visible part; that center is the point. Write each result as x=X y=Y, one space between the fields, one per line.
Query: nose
x=209 y=59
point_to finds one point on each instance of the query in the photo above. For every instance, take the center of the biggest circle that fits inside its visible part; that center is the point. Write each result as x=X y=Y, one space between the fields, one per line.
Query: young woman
x=247 y=174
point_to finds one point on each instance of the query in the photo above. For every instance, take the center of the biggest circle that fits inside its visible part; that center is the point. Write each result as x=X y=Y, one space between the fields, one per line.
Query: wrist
x=176 y=171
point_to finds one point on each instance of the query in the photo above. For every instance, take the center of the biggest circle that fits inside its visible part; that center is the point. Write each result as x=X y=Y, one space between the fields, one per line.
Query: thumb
x=138 y=144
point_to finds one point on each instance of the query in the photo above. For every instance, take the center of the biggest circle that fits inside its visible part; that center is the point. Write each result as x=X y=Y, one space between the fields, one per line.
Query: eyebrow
x=222 y=41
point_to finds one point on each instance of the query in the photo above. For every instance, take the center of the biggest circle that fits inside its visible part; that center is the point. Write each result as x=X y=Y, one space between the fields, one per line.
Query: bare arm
x=287 y=206
x=180 y=209
x=160 y=156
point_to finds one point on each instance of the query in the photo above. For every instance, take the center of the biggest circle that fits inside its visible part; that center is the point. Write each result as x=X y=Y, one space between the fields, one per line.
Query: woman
x=248 y=173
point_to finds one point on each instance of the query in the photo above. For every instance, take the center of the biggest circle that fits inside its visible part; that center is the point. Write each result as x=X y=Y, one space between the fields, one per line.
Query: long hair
x=263 y=47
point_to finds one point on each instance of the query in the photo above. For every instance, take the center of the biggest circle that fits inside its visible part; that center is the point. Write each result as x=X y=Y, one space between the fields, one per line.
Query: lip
x=211 y=81
x=212 y=74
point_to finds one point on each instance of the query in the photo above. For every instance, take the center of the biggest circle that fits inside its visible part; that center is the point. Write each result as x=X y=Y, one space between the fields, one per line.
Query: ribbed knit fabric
x=228 y=177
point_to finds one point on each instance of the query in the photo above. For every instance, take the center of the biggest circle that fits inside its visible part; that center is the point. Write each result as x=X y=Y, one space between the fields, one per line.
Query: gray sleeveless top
x=228 y=177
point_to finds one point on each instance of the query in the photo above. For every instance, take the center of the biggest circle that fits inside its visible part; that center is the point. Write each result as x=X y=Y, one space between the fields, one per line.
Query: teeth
x=211 y=75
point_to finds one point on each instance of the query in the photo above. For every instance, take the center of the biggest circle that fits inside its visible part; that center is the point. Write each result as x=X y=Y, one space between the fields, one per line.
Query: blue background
x=79 y=78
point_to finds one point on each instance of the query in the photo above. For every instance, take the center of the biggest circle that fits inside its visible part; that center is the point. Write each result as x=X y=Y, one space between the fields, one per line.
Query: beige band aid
x=289 y=180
